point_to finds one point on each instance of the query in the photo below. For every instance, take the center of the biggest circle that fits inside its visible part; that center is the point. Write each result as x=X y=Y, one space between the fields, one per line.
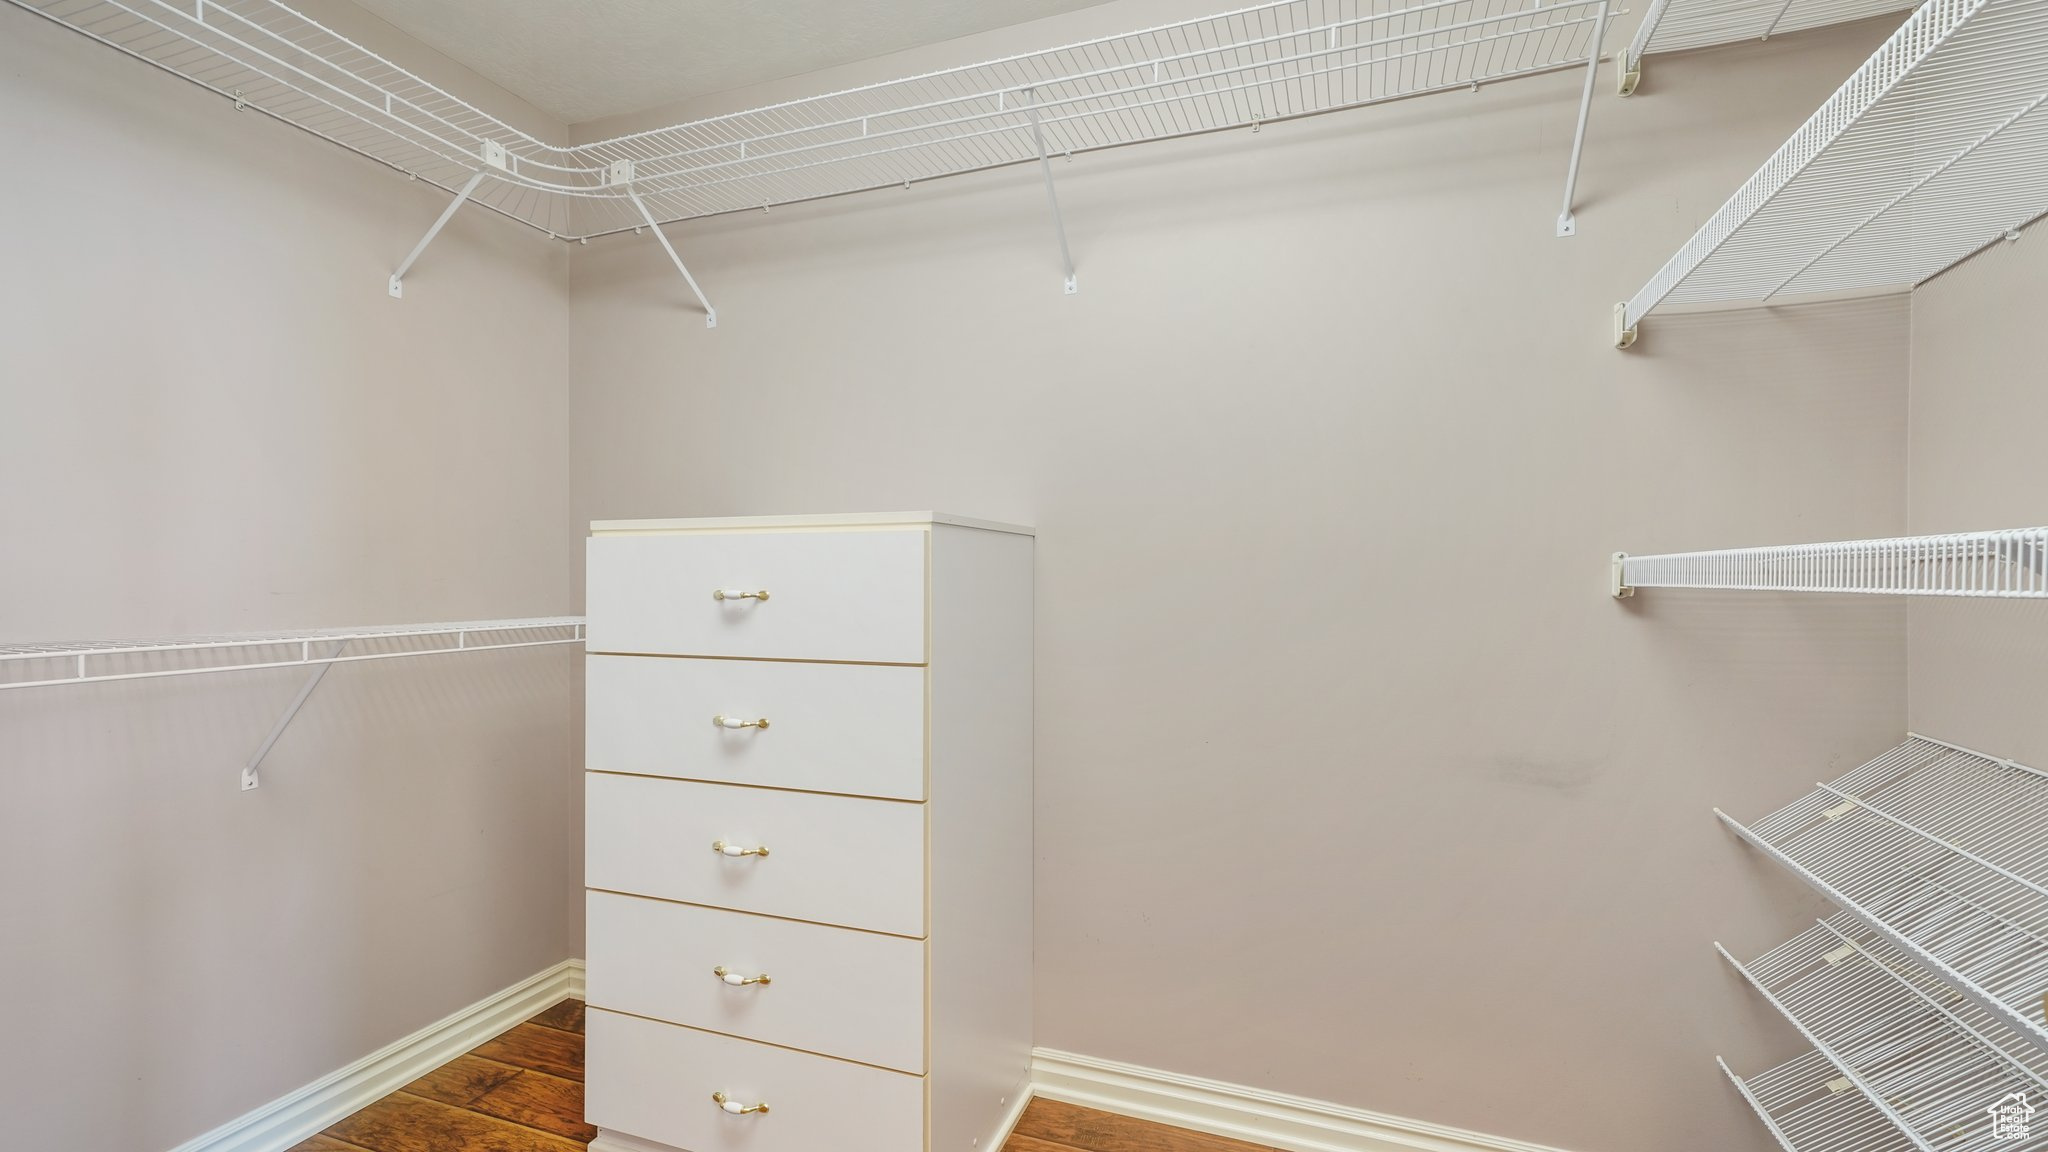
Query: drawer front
x=832 y=859
x=857 y=729
x=655 y=1081
x=835 y=991
x=831 y=595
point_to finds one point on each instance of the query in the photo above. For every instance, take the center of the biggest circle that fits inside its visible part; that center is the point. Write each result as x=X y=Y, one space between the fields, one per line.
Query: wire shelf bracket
x=1677 y=25
x=1272 y=61
x=2004 y=564
x=1567 y=218
x=102 y=661
x=1916 y=845
x=397 y=288
x=622 y=171
x=1932 y=150
x=1052 y=197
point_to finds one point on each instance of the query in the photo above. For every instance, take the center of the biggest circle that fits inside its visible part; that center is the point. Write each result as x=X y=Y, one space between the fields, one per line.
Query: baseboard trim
x=1273 y=1119
x=1254 y=1115
x=290 y=1119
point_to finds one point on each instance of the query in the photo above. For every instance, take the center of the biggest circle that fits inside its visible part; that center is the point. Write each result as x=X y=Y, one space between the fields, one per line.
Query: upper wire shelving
x=1677 y=25
x=1931 y=150
x=1944 y=852
x=1927 y=1058
x=2009 y=563
x=1263 y=63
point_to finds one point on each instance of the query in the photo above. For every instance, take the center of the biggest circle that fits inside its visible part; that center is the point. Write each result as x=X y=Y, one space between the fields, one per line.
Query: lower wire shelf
x=1943 y=851
x=1811 y=1107
x=1926 y=1058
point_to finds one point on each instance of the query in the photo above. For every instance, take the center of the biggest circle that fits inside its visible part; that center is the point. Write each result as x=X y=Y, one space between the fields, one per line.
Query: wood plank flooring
x=523 y=1092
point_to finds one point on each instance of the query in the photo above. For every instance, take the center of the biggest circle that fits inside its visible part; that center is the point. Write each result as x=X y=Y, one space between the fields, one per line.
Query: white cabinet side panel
x=981 y=846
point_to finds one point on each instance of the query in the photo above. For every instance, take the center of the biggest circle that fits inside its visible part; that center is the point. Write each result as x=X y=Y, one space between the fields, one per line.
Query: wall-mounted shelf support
x=447 y=214
x=1625 y=333
x=625 y=168
x=1567 y=222
x=1052 y=198
x=249 y=777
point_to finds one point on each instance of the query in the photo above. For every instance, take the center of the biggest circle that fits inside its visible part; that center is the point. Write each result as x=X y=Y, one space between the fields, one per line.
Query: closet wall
x=1979 y=670
x=213 y=418
x=1352 y=780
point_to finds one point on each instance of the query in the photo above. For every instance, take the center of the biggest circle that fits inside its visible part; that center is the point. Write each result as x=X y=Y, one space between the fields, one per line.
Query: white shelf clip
x=1052 y=198
x=622 y=174
x=447 y=214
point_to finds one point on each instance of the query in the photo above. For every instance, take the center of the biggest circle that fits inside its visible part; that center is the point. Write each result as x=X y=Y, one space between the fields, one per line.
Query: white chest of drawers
x=808 y=834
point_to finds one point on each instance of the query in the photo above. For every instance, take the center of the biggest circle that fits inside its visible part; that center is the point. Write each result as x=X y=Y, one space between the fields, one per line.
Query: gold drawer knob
x=733 y=1107
x=737 y=980
x=736 y=722
x=739 y=594
x=724 y=849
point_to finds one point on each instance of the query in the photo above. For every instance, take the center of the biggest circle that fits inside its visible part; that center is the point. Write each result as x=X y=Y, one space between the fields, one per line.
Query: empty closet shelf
x=1925 y=1056
x=1811 y=1107
x=1943 y=851
x=1936 y=147
x=2007 y=563
x=92 y=661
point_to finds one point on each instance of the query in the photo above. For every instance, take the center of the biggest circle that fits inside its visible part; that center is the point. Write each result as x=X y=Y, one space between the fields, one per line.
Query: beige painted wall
x=1979 y=669
x=1352 y=781
x=212 y=418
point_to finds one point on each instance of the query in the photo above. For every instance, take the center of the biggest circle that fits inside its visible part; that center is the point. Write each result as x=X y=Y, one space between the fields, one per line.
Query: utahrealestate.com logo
x=2009 y=1117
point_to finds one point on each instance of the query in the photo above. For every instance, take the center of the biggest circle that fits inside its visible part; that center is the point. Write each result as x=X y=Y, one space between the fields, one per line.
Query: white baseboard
x=289 y=1120
x=1292 y=1123
x=1253 y=1115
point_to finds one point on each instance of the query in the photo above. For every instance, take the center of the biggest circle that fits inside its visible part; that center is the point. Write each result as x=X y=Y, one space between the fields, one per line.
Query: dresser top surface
x=799 y=523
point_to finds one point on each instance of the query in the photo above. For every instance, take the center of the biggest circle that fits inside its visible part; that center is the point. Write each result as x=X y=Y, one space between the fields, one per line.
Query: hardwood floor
x=523 y=1092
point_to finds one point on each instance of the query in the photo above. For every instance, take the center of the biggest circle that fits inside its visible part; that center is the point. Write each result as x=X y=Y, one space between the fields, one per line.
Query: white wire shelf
x=2009 y=563
x=1677 y=25
x=1943 y=851
x=1924 y=1056
x=1810 y=1106
x=97 y=661
x=1269 y=62
x=1932 y=150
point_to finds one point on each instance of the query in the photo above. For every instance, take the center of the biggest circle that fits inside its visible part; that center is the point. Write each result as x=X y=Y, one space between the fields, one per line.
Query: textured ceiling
x=584 y=60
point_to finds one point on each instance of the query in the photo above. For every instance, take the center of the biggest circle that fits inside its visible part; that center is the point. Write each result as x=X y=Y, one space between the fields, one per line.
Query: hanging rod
x=2010 y=563
x=99 y=661
x=1269 y=62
